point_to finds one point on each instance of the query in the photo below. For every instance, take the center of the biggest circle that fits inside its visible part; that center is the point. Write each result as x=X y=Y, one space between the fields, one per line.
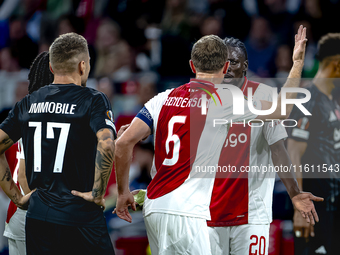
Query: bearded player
x=241 y=204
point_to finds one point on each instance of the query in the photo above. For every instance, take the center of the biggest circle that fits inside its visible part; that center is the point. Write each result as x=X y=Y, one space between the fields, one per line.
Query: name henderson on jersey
x=52 y=107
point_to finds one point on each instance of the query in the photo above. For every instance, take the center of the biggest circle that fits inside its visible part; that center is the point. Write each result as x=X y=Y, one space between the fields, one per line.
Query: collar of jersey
x=68 y=84
x=200 y=83
x=245 y=83
x=209 y=86
x=204 y=85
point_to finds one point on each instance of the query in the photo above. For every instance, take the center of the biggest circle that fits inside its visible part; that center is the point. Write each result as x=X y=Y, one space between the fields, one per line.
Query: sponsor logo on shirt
x=110 y=115
x=321 y=250
x=332 y=117
x=303 y=123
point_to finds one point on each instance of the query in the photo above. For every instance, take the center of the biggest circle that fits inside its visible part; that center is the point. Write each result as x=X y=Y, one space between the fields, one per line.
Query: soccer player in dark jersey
x=314 y=147
x=68 y=137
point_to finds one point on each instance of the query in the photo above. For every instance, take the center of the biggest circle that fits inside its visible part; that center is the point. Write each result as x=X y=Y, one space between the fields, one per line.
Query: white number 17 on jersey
x=59 y=160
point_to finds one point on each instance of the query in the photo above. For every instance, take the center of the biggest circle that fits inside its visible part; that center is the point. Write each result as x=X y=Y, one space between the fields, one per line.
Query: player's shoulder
x=94 y=94
x=311 y=105
x=263 y=91
x=92 y=91
x=162 y=96
x=314 y=92
x=315 y=95
x=23 y=103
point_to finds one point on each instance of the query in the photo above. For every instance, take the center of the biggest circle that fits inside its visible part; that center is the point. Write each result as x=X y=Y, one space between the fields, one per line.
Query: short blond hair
x=209 y=54
x=67 y=51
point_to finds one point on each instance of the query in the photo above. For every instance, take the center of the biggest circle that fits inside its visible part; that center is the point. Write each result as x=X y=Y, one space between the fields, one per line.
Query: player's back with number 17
x=68 y=137
x=56 y=130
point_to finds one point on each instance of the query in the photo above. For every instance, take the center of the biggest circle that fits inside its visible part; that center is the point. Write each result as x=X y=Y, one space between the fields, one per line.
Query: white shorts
x=15 y=232
x=15 y=229
x=170 y=234
x=239 y=240
x=16 y=247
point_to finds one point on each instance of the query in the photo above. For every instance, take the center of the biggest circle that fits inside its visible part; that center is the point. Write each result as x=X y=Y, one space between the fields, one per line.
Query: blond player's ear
x=82 y=67
x=193 y=69
x=226 y=66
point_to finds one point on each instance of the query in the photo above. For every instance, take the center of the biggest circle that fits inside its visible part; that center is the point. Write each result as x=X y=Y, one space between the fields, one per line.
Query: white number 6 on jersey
x=174 y=138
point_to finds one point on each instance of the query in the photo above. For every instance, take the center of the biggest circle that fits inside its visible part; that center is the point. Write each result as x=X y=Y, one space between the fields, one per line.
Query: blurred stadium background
x=141 y=47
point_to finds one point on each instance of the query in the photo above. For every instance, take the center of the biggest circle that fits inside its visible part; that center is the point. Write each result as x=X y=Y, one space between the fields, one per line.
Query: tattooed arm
x=103 y=168
x=104 y=162
x=5 y=142
x=6 y=180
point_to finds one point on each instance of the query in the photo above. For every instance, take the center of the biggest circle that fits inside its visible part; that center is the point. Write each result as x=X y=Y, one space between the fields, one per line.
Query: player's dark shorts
x=54 y=239
x=327 y=235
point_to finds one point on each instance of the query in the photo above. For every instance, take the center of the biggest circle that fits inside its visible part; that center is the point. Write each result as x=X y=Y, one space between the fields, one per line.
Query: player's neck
x=214 y=78
x=66 y=79
x=324 y=83
x=240 y=82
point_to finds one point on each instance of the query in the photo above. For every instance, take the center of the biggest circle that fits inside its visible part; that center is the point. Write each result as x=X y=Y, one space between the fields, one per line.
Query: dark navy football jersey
x=58 y=126
x=321 y=131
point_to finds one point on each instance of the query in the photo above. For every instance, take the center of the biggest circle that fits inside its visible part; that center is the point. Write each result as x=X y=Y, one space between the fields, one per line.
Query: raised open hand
x=300 y=45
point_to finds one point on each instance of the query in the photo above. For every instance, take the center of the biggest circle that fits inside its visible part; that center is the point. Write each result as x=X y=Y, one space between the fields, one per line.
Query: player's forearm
x=6 y=182
x=123 y=156
x=296 y=149
x=293 y=81
x=296 y=162
x=22 y=177
x=104 y=163
x=280 y=158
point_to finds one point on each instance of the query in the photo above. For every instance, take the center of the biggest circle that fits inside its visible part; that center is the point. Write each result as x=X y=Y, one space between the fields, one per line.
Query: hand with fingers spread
x=300 y=45
x=301 y=227
x=89 y=197
x=303 y=203
x=124 y=201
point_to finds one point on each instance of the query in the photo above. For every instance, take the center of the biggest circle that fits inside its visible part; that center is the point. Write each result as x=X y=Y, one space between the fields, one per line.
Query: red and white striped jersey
x=246 y=197
x=185 y=139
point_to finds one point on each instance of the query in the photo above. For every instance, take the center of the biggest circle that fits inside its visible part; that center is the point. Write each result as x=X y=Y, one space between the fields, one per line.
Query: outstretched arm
x=137 y=131
x=296 y=149
x=293 y=80
x=302 y=201
x=280 y=157
x=6 y=180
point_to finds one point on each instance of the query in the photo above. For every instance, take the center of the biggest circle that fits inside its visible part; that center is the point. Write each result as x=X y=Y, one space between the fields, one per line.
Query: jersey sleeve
x=229 y=108
x=145 y=116
x=273 y=131
x=301 y=131
x=150 y=112
x=248 y=115
x=101 y=114
x=11 y=125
